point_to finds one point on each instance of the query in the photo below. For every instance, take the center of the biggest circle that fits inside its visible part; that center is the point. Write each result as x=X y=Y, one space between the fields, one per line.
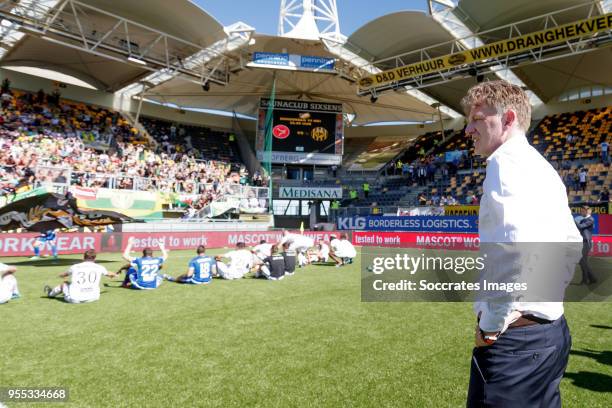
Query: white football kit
x=262 y=251
x=324 y=252
x=301 y=243
x=8 y=285
x=241 y=262
x=345 y=249
x=84 y=283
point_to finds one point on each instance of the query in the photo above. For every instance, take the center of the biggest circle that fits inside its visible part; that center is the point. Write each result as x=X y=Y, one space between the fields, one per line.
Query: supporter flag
x=51 y=211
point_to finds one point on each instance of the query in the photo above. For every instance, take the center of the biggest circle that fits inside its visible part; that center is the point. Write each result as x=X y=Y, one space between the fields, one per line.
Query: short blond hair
x=501 y=95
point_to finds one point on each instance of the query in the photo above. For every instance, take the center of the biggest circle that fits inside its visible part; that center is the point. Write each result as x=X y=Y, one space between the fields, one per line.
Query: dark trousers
x=522 y=369
x=587 y=274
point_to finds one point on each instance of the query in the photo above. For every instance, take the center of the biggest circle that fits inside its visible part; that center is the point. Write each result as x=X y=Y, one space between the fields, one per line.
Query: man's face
x=486 y=128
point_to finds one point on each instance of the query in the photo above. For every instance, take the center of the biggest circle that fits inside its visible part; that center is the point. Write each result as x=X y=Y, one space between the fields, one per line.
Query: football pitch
x=307 y=340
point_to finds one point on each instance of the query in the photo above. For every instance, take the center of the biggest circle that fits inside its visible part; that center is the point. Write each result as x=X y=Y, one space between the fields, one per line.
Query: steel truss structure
x=89 y=29
x=324 y=12
x=577 y=46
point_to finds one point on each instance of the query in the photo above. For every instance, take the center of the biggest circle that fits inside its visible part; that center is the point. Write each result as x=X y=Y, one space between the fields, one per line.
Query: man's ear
x=509 y=118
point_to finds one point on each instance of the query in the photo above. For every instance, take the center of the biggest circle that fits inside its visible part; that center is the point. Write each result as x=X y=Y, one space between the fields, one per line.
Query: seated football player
x=8 y=283
x=200 y=270
x=321 y=254
x=290 y=258
x=273 y=267
x=84 y=283
x=144 y=271
x=241 y=262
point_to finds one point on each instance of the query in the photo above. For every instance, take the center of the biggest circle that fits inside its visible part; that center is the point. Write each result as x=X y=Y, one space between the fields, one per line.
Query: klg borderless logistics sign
x=496 y=49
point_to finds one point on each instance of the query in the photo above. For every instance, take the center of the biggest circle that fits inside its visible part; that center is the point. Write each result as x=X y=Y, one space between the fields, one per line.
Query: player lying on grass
x=342 y=251
x=273 y=267
x=200 y=270
x=84 y=283
x=8 y=283
x=41 y=240
x=144 y=271
x=241 y=262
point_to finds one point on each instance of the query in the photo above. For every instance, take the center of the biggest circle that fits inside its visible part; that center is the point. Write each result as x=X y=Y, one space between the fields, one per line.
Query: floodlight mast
x=308 y=19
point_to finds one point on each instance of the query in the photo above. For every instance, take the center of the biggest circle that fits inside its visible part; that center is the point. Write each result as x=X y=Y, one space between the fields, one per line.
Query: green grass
x=305 y=341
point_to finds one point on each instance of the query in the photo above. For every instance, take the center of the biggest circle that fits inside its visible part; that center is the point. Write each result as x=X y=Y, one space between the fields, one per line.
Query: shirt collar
x=516 y=140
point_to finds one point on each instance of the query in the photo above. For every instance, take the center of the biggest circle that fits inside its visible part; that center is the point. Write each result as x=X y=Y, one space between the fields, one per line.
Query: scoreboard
x=303 y=132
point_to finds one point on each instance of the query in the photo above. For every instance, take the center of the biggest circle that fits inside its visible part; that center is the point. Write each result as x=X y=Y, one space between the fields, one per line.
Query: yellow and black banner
x=596 y=208
x=496 y=49
x=461 y=209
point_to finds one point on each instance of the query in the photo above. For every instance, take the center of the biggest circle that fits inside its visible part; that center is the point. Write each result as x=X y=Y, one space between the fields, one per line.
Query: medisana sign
x=322 y=193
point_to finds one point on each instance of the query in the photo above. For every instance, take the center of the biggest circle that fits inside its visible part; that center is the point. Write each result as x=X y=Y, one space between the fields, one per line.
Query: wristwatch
x=489 y=339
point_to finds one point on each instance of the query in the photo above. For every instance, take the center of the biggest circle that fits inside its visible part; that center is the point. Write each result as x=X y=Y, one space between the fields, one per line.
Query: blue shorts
x=192 y=281
x=138 y=285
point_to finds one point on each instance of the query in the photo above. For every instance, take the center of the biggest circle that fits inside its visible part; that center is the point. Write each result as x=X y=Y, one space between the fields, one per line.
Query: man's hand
x=478 y=339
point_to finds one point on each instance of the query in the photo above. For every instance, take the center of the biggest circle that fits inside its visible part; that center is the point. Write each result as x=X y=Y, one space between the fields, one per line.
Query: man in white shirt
x=84 y=283
x=8 y=283
x=523 y=200
x=241 y=262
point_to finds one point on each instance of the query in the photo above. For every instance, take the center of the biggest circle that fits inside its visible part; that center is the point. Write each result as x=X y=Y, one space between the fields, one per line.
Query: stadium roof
x=487 y=15
x=125 y=24
x=248 y=84
x=195 y=41
x=547 y=79
x=396 y=33
x=399 y=39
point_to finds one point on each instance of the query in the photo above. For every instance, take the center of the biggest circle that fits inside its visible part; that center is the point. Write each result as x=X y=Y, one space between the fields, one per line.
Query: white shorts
x=70 y=299
x=228 y=273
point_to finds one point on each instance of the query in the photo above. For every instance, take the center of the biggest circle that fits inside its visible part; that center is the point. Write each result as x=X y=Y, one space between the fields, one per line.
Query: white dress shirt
x=524 y=200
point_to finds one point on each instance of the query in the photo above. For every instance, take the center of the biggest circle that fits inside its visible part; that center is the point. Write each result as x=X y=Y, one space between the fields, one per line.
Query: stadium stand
x=573 y=135
x=570 y=141
x=200 y=142
x=47 y=139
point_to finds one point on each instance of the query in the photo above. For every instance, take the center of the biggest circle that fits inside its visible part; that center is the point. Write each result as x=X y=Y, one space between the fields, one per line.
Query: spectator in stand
x=435 y=199
x=583 y=178
x=422 y=199
x=35 y=133
x=604 y=146
x=604 y=196
x=334 y=170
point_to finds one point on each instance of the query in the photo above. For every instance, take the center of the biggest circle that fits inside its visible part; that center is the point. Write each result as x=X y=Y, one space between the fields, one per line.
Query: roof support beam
x=491 y=62
x=74 y=24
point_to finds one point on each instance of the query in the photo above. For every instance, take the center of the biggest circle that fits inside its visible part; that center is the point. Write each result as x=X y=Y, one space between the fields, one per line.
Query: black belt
x=528 y=320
